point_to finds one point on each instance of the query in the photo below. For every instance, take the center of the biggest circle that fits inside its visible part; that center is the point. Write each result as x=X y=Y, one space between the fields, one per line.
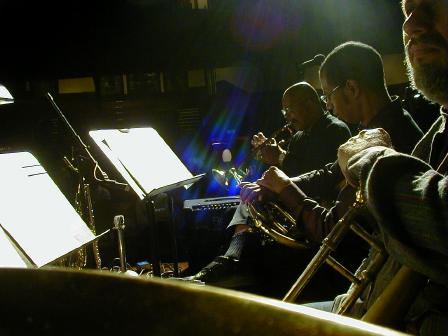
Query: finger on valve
x=274 y=179
x=258 y=139
x=247 y=192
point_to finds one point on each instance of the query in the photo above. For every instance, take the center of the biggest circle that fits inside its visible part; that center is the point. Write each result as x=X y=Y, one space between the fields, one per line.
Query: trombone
x=362 y=277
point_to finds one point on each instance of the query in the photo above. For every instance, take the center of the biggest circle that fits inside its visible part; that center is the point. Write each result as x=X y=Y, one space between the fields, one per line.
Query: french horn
x=269 y=218
x=278 y=224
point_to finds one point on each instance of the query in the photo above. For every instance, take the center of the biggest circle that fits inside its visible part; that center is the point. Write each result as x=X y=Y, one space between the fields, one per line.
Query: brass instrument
x=91 y=222
x=286 y=132
x=277 y=223
x=363 y=275
x=399 y=294
x=272 y=220
x=83 y=205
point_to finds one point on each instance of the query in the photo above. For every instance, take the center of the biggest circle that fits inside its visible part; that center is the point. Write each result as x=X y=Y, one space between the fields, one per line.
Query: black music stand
x=150 y=168
x=38 y=224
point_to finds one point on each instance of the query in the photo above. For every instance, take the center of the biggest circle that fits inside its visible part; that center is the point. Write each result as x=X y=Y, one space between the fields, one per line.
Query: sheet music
x=35 y=212
x=104 y=146
x=9 y=257
x=142 y=157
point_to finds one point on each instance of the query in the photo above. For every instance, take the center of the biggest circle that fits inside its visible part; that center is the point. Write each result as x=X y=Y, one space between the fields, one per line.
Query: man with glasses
x=352 y=79
x=315 y=130
x=318 y=135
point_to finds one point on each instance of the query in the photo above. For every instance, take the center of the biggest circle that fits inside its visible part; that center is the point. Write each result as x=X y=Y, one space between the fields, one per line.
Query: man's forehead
x=405 y=3
x=291 y=97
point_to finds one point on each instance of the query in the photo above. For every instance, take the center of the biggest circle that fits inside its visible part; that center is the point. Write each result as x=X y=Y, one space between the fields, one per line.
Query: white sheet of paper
x=36 y=213
x=144 y=154
x=9 y=257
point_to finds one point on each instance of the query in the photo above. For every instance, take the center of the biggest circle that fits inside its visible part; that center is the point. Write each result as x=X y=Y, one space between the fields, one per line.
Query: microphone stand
x=75 y=135
x=84 y=147
x=85 y=189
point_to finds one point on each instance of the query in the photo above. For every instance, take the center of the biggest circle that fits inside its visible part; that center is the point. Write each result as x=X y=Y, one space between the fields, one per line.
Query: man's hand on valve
x=258 y=139
x=252 y=192
x=270 y=151
x=274 y=180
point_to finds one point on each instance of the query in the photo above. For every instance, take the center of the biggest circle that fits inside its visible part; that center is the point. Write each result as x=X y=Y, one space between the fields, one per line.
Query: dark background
x=52 y=39
x=151 y=41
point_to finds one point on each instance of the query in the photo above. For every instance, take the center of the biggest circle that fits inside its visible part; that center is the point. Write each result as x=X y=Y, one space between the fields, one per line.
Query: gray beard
x=431 y=80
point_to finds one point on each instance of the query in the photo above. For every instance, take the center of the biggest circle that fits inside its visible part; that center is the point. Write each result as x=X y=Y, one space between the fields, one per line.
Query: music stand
x=38 y=224
x=148 y=165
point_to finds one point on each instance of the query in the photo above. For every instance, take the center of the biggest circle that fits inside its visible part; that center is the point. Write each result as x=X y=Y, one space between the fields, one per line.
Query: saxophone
x=83 y=206
x=91 y=223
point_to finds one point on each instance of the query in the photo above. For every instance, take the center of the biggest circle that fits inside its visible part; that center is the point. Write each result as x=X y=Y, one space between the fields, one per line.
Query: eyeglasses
x=327 y=97
x=285 y=111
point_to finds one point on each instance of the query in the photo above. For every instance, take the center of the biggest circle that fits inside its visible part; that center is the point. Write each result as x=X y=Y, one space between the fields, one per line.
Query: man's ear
x=353 y=88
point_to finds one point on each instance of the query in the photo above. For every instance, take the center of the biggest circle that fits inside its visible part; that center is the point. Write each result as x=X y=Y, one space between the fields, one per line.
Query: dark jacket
x=315 y=147
x=324 y=184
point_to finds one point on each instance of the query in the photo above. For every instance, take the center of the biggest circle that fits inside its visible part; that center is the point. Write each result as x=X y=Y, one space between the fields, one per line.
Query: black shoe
x=222 y=272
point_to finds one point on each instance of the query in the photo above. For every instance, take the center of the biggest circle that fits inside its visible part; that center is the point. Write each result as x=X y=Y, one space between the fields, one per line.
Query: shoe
x=222 y=272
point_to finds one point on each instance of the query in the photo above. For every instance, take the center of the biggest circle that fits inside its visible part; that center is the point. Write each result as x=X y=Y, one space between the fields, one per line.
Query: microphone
x=316 y=60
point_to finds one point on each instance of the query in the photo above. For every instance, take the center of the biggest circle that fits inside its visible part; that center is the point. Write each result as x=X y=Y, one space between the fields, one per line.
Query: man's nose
x=418 y=22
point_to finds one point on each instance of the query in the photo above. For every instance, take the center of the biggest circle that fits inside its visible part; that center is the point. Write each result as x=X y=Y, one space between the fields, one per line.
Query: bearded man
x=409 y=194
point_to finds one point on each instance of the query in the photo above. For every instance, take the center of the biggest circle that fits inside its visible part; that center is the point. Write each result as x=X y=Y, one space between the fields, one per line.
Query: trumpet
x=284 y=133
